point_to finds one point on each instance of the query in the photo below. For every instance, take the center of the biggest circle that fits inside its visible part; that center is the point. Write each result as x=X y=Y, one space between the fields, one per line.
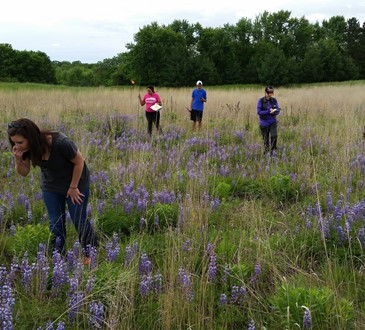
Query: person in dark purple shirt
x=268 y=109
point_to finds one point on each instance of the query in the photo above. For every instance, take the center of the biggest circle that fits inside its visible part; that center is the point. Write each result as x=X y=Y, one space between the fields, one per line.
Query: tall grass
x=208 y=232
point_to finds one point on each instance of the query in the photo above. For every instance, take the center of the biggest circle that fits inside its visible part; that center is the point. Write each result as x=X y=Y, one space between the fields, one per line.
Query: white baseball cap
x=199 y=82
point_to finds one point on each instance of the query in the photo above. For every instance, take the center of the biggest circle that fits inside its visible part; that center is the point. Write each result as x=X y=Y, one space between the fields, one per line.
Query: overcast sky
x=90 y=31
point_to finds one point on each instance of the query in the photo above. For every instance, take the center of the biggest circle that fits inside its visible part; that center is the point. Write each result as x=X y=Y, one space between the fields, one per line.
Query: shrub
x=327 y=312
x=27 y=239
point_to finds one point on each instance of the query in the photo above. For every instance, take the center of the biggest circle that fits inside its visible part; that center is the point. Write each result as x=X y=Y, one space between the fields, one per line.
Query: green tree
x=34 y=67
x=355 y=44
x=325 y=62
x=7 y=62
x=158 y=55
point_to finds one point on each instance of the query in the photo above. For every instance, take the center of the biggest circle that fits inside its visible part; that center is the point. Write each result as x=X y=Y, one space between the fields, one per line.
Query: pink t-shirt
x=150 y=100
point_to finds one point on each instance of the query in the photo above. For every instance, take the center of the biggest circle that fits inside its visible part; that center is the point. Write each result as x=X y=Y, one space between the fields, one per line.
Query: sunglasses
x=15 y=124
x=270 y=92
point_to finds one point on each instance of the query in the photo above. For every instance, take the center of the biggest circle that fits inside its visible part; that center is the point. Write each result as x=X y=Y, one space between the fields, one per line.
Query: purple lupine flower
x=14 y=269
x=58 y=243
x=77 y=250
x=61 y=326
x=307 y=319
x=59 y=276
x=251 y=326
x=212 y=268
x=256 y=273
x=90 y=285
x=112 y=249
x=329 y=202
x=128 y=255
x=157 y=283
x=12 y=230
x=1 y=215
x=26 y=271
x=237 y=295
x=49 y=325
x=7 y=302
x=210 y=249
x=215 y=204
x=145 y=265
x=42 y=268
x=3 y=274
x=74 y=305
x=186 y=246
x=29 y=215
x=184 y=279
x=96 y=315
x=226 y=273
x=308 y=223
x=73 y=285
x=92 y=253
x=145 y=285
x=223 y=299
x=142 y=223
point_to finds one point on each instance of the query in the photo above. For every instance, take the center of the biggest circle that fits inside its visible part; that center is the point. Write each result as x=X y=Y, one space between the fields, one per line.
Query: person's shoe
x=87 y=261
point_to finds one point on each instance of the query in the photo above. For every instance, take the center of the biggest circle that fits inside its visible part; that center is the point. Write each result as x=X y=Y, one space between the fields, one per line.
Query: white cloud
x=90 y=31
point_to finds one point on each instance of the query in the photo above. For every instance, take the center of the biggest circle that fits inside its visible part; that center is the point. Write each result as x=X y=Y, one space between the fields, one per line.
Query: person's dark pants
x=56 y=207
x=153 y=118
x=270 y=136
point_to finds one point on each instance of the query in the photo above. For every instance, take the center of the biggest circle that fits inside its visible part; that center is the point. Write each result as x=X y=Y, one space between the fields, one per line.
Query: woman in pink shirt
x=150 y=99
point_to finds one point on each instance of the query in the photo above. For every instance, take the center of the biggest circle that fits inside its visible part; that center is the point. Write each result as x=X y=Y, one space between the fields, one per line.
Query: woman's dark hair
x=38 y=144
x=151 y=88
x=269 y=88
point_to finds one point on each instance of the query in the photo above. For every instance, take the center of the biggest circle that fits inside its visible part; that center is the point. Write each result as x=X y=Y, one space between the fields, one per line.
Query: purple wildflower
x=238 y=295
x=26 y=271
x=212 y=268
x=74 y=304
x=226 y=273
x=61 y=326
x=184 y=279
x=90 y=285
x=7 y=302
x=186 y=246
x=307 y=319
x=112 y=249
x=59 y=276
x=251 y=326
x=145 y=265
x=96 y=315
x=42 y=269
x=223 y=299
x=256 y=274
x=12 y=230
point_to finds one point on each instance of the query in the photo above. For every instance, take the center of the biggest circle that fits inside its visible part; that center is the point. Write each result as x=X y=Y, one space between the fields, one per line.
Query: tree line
x=273 y=48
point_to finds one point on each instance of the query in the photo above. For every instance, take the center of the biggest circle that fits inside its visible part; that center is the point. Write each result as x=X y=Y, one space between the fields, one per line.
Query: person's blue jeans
x=56 y=207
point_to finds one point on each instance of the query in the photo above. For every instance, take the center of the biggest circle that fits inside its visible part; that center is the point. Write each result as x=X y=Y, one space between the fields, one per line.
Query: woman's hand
x=75 y=195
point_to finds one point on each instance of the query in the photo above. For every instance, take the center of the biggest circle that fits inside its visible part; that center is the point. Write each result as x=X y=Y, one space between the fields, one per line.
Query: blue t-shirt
x=197 y=94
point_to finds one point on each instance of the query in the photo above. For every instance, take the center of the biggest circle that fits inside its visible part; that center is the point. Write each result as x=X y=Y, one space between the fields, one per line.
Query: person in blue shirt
x=198 y=98
x=268 y=109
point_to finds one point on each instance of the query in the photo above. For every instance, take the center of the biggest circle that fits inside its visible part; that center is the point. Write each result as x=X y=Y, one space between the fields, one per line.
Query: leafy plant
x=27 y=238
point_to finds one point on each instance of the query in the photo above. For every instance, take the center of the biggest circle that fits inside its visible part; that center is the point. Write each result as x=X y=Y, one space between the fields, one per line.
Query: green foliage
x=27 y=239
x=162 y=216
x=282 y=189
x=327 y=312
x=115 y=220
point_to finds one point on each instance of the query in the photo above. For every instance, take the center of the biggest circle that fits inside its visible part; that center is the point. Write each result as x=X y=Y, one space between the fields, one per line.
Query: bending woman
x=65 y=178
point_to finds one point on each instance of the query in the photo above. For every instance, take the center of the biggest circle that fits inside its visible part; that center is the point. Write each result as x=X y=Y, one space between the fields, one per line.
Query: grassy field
x=198 y=230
